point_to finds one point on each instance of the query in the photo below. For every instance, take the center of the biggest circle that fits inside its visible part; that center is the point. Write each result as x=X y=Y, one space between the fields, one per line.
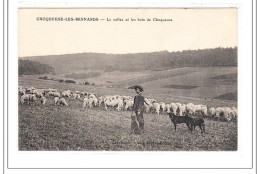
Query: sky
x=189 y=29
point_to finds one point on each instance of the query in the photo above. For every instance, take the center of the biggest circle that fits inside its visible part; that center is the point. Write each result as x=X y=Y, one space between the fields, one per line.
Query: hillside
x=162 y=60
x=27 y=67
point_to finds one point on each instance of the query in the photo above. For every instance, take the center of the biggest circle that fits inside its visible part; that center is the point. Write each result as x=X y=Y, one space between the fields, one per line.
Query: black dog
x=198 y=122
x=181 y=119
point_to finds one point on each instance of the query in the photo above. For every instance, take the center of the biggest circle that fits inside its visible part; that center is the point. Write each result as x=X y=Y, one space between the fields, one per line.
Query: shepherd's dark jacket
x=138 y=103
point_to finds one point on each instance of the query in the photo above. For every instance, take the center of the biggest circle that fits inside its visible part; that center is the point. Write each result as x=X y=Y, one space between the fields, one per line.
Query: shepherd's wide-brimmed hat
x=137 y=86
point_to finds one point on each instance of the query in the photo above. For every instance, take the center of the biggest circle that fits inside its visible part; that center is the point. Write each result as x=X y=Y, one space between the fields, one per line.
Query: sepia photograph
x=127 y=79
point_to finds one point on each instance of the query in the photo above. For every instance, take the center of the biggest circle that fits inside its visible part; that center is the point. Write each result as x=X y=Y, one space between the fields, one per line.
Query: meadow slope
x=73 y=128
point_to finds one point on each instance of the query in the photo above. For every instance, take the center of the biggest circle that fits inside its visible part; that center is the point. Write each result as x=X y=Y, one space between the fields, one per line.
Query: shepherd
x=137 y=118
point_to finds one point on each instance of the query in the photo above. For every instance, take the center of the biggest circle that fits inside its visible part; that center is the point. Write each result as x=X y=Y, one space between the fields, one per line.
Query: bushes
x=70 y=81
x=57 y=80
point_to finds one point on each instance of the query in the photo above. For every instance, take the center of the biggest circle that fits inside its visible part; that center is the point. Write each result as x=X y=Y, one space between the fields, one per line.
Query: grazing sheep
x=107 y=103
x=174 y=108
x=21 y=92
x=182 y=109
x=212 y=111
x=148 y=104
x=66 y=93
x=76 y=96
x=120 y=104
x=235 y=113
x=63 y=102
x=85 y=102
x=162 y=106
x=30 y=90
x=204 y=110
x=224 y=113
x=228 y=114
x=43 y=100
x=128 y=104
x=24 y=98
x=190 y=108
x=157 y=108
x=30 y=98
x=92 y=95
x=95 y=101
x=54 y=94
x=100 y=101
x=110 y=103
x=90 y=102
x=56 y=100
x=168 y=108
x=38 y=94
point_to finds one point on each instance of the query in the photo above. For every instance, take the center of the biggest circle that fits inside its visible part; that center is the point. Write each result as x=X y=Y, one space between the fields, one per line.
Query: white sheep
x=174 y=108
x=157 y=108
x=190 y=109
x=212 y=111
x=38 y=94
x=21 y=91
x=110 y=103
x=100 y=101
x=54 y=94
x=128 y=104
x=148 y=104
x=168 y=108
x=182 y=109
x=28 y=98
x=63 y=102
x=43 y=100
x=76 y=96
x=162 y=106
x=85 y=102
x=95 y=101
x=92 y=95
x=204 y=110
x=235 y=113
x=90 y=102
x=120 y=104
x=66 y=93
x=223 y=113
x=56 y=100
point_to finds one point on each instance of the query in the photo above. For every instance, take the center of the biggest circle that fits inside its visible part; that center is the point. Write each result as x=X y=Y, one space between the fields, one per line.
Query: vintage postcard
x=127 y=79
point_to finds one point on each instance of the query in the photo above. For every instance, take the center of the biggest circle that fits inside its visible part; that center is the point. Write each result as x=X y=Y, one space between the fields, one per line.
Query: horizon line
x=126 y=53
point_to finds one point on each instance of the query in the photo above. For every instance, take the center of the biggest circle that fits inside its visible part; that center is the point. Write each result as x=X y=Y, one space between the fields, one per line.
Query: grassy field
x=74 y=128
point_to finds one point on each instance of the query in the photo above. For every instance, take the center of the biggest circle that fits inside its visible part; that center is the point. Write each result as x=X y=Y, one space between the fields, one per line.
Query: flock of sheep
x=31 y=94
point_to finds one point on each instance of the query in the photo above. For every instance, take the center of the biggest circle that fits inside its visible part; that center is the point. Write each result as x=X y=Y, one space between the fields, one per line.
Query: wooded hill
x=162 y=60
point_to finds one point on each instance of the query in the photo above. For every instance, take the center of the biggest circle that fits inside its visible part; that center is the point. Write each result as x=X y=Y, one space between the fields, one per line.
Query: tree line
x=27 y=67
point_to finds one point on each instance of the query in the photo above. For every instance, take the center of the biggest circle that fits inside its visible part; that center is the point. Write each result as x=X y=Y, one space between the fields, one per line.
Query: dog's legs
x=201 y=129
